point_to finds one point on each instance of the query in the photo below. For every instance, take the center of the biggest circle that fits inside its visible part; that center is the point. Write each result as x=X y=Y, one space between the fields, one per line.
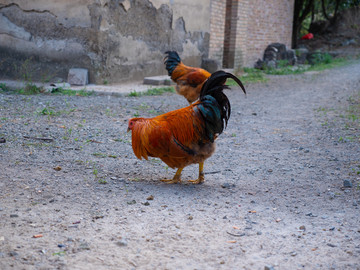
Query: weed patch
x=152 y=92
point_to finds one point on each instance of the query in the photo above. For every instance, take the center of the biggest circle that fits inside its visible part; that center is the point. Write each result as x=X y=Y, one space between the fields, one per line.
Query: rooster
x=189 y=80
x=187 y=135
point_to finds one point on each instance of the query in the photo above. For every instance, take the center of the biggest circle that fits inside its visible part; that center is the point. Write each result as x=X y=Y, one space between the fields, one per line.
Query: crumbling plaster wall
x=116 y=40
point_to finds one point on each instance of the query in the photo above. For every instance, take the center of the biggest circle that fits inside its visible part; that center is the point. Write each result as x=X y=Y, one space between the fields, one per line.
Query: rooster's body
x=185 y=136
x=189 y=80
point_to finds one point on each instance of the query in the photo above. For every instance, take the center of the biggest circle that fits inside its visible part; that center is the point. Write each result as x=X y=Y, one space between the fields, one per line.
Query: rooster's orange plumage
x=185 y=136
x=189 y=80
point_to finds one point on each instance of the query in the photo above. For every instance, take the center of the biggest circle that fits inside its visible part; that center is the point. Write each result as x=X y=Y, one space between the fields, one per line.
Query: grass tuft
x=152 y=92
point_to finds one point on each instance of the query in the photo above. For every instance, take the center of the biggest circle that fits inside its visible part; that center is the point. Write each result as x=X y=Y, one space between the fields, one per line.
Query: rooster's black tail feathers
x=218 y=79
x=171 y=60
x=216 y=114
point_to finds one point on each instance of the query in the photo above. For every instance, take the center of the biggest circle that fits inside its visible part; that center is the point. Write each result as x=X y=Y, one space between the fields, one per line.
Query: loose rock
x=347 y=183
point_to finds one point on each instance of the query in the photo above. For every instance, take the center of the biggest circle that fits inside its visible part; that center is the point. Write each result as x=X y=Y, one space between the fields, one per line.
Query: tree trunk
x=323 y=8
x=300 y=5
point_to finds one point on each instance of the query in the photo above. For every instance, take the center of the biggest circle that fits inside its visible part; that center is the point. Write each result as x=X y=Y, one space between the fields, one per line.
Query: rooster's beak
x=128 y=129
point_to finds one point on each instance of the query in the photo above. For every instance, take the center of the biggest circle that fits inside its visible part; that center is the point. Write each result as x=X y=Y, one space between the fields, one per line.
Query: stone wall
x=124 y=40
x=116 y=40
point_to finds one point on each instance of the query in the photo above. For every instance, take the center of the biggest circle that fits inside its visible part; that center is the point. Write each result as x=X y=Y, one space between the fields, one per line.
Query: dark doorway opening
x=230 y=33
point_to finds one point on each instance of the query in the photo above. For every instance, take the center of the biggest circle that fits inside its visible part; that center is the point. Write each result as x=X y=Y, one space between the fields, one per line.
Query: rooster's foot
x=171 y=181
x=200 y=180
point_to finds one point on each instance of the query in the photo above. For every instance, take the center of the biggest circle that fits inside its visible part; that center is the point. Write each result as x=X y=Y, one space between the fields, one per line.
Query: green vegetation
x=4 y=88
x=48 y=111
x=152 y=92
x=250 y=75
x=348 y=118
x=353 y=113
x=320 y=61
x=101 y=155
x=70 y=92
x=30 y=89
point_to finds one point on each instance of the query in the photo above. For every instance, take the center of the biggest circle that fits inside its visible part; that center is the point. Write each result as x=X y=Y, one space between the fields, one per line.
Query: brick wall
x=254 y=25
x=269 y=21
x=217 y=29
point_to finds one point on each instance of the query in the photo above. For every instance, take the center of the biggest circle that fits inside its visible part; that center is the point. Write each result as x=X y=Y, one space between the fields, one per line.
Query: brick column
x=217 y=29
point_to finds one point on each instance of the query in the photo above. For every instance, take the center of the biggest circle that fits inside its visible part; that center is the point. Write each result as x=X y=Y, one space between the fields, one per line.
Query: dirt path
x=273 y=194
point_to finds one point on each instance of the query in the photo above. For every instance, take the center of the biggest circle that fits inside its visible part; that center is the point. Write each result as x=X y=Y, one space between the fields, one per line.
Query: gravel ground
x=74 y=196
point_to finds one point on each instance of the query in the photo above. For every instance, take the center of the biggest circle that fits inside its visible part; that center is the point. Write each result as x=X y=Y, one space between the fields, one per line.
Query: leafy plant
x=3 y=87
x=70 y=92
x=31 y=89
x=152 y=92
x=102 y=181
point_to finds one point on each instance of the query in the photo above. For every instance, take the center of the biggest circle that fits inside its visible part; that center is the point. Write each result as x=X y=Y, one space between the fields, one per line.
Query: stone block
x=302 y=54
x=78 y=76
x=210 y=65
x=290 y=56
x=158 y=80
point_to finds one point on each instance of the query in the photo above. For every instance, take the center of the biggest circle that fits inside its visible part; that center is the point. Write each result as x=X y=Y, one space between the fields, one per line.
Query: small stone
x=14 y=215
x=13 y=253
x=150 y=198
x=122 y=243
x=61 y=245
x=347 y=183
x=331 y=245
x=131 y=202
x=302 y=228
x=259 y=233
x=146 y=203
x=190 y=218
x=225 y=185
x=293 y=253
x=2 y=140
x=84 y=246
x=269 y=267
x=57 y=168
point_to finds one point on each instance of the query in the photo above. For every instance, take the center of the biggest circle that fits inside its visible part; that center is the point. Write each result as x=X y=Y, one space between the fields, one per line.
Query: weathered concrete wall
x=117 y=40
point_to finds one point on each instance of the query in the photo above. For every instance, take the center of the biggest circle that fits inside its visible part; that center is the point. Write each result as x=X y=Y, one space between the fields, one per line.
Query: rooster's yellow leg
x=176 y=178
x=201 y=175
